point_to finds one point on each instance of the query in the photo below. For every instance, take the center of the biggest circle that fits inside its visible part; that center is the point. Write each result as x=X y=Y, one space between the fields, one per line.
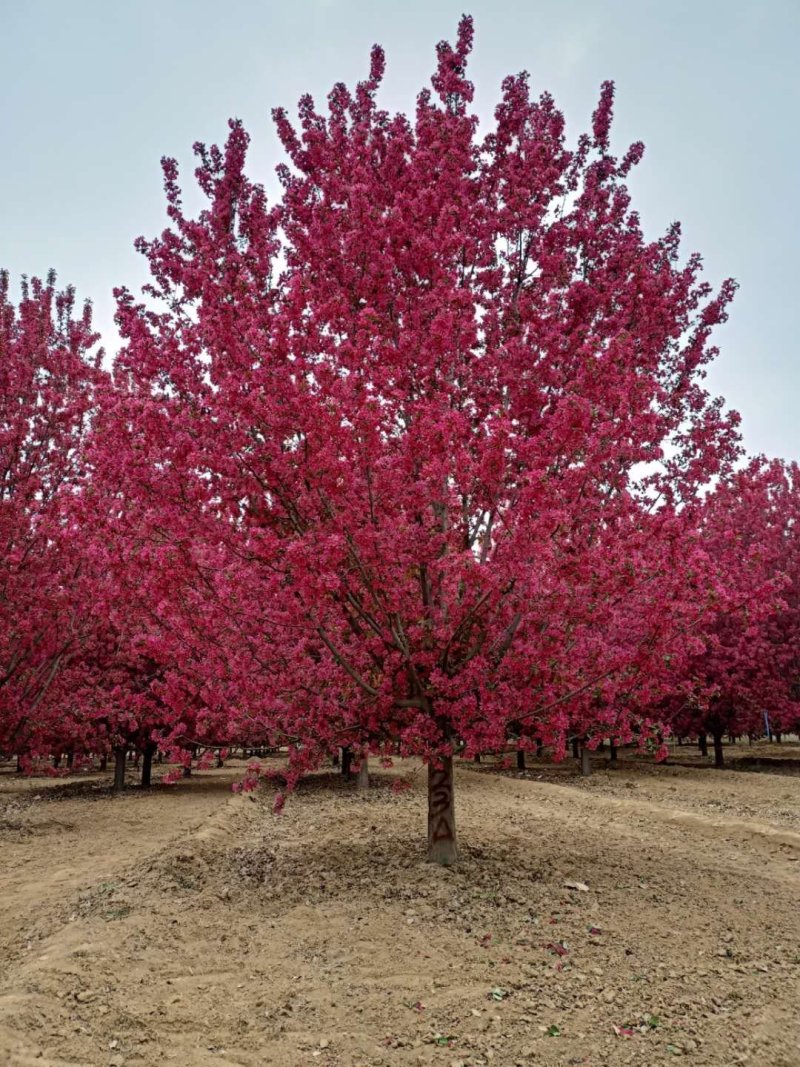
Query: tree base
x=347 y=760
x=119 y=769
x=147 y=765
x=442 y=847
x=586 y=762
x=362 y=778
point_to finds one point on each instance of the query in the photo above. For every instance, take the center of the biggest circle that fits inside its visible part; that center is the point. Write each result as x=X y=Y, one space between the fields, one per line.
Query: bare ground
x=186 y=925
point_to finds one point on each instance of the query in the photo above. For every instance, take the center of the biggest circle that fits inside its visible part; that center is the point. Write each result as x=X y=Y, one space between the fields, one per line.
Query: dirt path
x=188 y=926
x=60 y=838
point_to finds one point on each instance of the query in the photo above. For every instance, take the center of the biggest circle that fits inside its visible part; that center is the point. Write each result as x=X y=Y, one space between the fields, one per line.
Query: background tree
x=748 y=662
x=48 y=376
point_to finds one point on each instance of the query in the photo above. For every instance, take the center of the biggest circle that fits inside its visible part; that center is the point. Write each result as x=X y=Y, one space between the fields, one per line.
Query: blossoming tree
x=422 y=440
x=48 y=376
x=748 y=661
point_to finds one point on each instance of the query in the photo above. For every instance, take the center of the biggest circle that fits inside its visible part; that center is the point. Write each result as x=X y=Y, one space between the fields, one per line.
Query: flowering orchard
x=416 y=460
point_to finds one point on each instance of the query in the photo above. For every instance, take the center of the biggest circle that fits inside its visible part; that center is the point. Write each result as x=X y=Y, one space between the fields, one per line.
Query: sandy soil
x=186 y=925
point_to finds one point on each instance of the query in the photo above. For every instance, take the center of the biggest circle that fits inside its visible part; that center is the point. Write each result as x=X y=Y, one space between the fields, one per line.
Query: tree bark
x=119 y=768
x=187 y=770
x=612 y=756
x=586 y=761
x=362 y=779
x=719 y=759
x=347 y=760
x=575 y=748
x=520 y=759
x=147 y=764
x=778 y=736
x=441 y=815
x=702 y=744
x=104 y=763
x=539 y=749
x=477 y=757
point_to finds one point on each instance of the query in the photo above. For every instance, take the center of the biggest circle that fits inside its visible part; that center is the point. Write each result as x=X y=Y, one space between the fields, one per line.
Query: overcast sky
x=96 y=91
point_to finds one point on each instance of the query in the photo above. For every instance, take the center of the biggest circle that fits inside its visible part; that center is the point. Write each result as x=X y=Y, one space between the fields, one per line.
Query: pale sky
x=96 y=91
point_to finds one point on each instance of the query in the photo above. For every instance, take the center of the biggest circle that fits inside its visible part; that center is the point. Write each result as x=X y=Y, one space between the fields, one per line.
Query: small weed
x=121 y=912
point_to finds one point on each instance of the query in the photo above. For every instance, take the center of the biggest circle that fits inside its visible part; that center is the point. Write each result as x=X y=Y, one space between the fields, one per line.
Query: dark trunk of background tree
x=778 y=736
x=575 y=748
x=193 y=750
x=335 y=759
x=119 y=768
x=612 y=755
x=147 y=764
x=104 y=762
x=520 y=759
x=719 y=759
x=539 y=749
x=57 y=760
x=441 y=815
x=347 y=760
x=702 y=744
x=19 y=764
x=680 y=742
x=70 y=759
x=586 y=761
x=477 y=757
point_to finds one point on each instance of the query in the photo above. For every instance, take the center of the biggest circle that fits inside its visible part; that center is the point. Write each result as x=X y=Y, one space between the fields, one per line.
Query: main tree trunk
x=719 y=758
x=362 y=778
x=347 y=759
x=147 y=764
x=586 y=761
x=441 y=815
x=119 y=768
